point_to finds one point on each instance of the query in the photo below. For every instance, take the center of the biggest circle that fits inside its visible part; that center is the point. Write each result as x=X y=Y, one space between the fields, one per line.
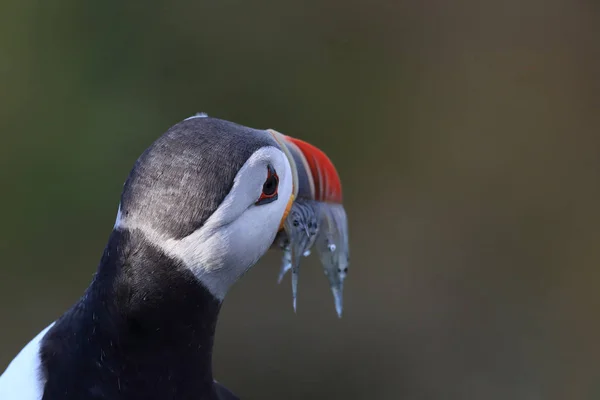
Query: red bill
x=315 y=175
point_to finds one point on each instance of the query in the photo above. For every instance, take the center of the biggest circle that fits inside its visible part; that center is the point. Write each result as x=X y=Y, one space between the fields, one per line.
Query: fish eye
x=270 y=187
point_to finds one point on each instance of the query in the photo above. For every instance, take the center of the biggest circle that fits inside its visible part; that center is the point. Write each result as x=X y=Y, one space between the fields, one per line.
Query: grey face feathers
x=181 y=179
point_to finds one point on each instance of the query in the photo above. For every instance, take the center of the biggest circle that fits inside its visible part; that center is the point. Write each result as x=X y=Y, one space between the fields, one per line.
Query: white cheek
x=239 y=245
x=285 y=189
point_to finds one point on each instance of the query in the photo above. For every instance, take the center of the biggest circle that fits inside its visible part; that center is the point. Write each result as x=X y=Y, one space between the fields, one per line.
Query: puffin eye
x=269 y=190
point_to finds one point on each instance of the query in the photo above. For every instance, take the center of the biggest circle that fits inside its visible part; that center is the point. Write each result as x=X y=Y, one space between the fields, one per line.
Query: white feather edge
x=23 y=379
x=197 y=115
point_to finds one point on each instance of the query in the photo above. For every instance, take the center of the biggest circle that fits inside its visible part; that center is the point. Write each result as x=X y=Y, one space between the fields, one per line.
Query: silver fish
x=332 y=246
x=325 y=226
x=301 y=227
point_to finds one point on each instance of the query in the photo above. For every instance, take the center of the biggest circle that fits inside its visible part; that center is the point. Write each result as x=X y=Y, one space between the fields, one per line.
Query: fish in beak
x=315 y=217
x=301 y=228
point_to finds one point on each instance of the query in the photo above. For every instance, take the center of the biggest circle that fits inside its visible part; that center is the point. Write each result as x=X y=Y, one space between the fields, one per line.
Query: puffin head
x=213 y=195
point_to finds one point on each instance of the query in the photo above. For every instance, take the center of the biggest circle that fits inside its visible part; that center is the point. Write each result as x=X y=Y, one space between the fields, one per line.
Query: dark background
x=467 y=137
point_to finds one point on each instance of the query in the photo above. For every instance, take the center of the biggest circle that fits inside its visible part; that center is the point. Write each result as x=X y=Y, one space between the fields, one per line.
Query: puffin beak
x=314 y=175
x=316 y=204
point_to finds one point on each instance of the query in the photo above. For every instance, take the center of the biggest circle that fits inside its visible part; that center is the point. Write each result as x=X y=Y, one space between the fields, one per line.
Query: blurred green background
x=467 y=137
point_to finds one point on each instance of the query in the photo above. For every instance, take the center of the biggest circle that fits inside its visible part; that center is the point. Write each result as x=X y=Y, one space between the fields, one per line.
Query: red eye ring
x=270 y=187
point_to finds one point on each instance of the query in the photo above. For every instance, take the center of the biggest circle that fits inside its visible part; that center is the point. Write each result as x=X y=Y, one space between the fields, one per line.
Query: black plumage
x=143 y=330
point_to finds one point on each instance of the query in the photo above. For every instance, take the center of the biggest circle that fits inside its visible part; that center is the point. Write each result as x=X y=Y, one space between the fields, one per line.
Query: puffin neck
x=143 y=329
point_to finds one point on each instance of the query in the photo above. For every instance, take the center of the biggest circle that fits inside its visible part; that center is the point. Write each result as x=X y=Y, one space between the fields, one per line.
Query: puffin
x=199 y=208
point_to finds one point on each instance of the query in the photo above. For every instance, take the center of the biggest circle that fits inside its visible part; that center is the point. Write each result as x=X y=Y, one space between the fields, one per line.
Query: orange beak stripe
x=288 y=207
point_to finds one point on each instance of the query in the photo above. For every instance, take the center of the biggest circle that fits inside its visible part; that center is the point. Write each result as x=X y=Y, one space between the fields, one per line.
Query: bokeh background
x=467 y=137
